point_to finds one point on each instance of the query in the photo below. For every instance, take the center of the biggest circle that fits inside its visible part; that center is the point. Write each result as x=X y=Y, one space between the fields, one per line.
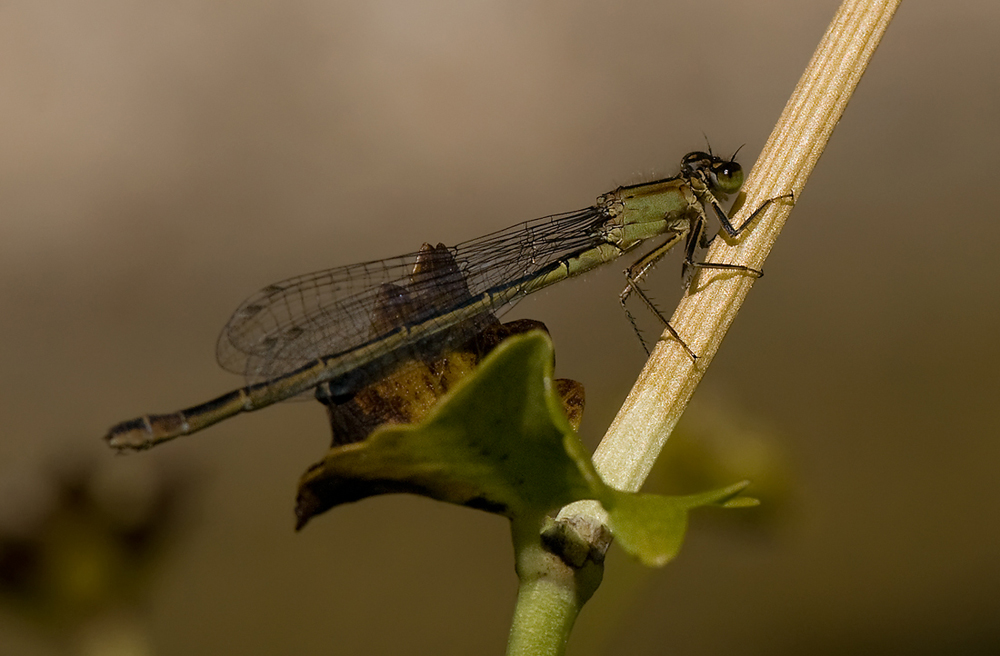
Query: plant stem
x=653 y=407
x=548 y=602
x=550 y=593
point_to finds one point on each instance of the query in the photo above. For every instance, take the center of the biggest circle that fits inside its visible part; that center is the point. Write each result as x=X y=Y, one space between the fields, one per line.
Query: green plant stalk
x=548 y=605
x=550 y=594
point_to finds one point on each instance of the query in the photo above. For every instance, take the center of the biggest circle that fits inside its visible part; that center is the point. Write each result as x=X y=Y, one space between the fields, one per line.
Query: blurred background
x=159 y=162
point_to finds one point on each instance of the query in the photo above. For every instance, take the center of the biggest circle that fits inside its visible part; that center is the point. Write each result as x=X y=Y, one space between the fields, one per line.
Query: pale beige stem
x=652 y=409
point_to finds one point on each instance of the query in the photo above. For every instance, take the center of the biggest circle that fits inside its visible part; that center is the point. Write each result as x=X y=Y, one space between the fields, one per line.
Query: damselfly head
x=723 y=176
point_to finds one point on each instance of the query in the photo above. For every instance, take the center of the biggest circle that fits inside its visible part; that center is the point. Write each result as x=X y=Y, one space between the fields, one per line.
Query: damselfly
x=346 y=327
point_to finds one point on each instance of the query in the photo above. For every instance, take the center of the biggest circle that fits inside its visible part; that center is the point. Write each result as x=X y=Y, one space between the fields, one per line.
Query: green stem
x=649 y=414
x=550 y=593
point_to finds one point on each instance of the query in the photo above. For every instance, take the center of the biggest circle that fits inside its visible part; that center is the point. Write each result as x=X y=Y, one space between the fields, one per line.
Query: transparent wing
x=294 y=322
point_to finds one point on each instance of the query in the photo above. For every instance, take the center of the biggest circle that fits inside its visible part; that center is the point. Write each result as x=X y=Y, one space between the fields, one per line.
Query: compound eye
x=727 y=177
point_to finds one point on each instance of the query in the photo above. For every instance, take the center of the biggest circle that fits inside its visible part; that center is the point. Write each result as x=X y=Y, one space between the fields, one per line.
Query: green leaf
x=651 y=527
x=499 y=441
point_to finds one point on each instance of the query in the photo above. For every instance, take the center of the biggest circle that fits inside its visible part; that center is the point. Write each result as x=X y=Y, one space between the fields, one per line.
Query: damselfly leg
x=695 y=238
